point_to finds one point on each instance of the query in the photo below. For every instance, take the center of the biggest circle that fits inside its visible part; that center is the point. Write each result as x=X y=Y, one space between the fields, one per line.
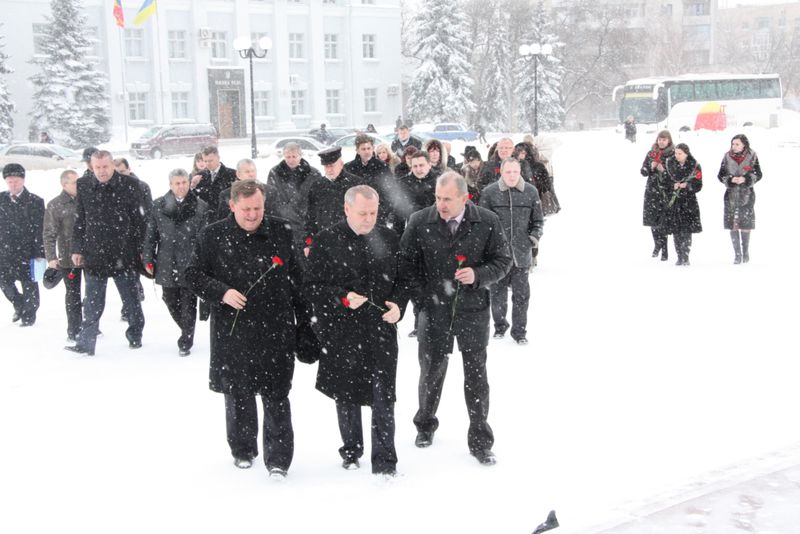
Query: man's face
x=510 y=174
x=292 y=158
x=449 y=202
x=420 y=167
x=211 y=161
x=103 y=168
x=403 y=134
x=365 y=151
x=15 y=184
x=474 y=164
x=246 y=171
x=71 y=185
x=362 y=214
x=505 y=147
x=333 y=170
x=248 y=211
x=123 y=169
x=179 y=185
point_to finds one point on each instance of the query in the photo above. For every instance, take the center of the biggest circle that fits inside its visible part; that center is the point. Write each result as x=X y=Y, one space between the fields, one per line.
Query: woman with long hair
x=437 y=154
x=384 y=153
x=740 y=170
x=655 y=195
x=683 y=179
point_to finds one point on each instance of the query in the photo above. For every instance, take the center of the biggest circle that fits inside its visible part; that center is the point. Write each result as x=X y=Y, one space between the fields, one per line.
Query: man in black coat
x=106 y=242
x=175 y=222
x=374 y=173
x=288 y=185
x=59 y=223
x=245 y=266
x=245 y=170
x=404 y=140
x=490 y=171
x=215 y=178
x=416 y=190
x=350 y=280
x=450 y=253
x=21 y=219
x=325 y=197
x=516 y=202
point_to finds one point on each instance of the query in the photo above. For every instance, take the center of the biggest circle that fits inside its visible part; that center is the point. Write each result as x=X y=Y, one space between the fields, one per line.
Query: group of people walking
x=674 y=177
x=308 y=266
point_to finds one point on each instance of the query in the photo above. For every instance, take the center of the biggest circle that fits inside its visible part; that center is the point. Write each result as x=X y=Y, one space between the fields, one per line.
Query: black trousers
x=95 y=304
x=72 y=300
x=25 y=303
x=433 y=358
x=241 y=421
x=517 y=278
x=384 y=455
x=683 y=245
x=182 y=306
x=660 y=239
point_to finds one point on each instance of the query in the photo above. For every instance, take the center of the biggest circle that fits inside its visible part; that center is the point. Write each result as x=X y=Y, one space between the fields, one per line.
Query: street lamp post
x=247 y=50
x=536 y=50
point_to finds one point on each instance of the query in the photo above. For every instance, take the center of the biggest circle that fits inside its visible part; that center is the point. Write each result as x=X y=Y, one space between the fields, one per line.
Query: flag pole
x=123 y=65
x=158 y=63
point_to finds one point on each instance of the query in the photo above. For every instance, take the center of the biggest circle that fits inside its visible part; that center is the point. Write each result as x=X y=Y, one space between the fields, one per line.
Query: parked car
x=172 y=139
x=308 y=145
x=447 y=131
x=333 y=133
x=40 y=156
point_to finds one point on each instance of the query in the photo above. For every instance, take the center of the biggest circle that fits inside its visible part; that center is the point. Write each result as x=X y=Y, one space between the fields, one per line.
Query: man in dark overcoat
x=245 y=267
x=350 y=280
x=325 y=197
x=215 y=178
x=59 y=222
x=450 y=253
x=21 y=219
x=175 y=222
x=374 y=173
x=106 y=243
x=516 y=202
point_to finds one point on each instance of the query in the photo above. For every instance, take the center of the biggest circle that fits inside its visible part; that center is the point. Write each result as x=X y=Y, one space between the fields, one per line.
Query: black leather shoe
x=243 y=463
x=424 y=439
x=26 y=322
x=79 y=350
x=351 y=464
x=499 y=334
x=521 y=340
x=184 y=352
x=664 y=255
x=135 y=344
x=484 y=457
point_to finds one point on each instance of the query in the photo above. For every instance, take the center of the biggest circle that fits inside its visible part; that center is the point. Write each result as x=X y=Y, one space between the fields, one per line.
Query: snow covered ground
x=643 y=380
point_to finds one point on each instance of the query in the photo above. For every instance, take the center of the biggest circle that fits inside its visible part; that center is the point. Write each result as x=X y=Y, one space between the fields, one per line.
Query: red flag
x=119 y=16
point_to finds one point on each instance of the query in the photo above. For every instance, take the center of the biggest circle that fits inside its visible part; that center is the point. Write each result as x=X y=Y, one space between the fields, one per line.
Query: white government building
x=332 y=61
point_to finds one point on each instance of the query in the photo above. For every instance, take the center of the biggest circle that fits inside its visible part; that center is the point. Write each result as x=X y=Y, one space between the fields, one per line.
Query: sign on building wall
x=226 y=101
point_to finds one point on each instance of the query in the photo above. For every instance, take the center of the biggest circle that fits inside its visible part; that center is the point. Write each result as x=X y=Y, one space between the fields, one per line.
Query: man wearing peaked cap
x=21 y=217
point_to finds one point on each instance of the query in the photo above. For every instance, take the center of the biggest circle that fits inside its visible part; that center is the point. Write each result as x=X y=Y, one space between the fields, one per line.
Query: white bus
x=677 y=103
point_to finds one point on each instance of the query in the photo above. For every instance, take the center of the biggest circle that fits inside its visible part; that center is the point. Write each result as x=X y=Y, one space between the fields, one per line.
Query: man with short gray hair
x=450 y=254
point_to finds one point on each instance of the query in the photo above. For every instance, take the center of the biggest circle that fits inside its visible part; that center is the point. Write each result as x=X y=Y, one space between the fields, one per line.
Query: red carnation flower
x=149 y=266
x=470 y=196
x=276 y=260
x=497 y=170
x=346 y=302
x=699 y=174
x=309 y=241
x=71 y=275
x=748 y=168
x=460 y=258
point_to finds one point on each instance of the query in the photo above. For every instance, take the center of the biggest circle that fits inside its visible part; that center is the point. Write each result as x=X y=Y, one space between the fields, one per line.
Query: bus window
x=705 y=90
x=729 y=90
x=681 y=92
x=770 y=88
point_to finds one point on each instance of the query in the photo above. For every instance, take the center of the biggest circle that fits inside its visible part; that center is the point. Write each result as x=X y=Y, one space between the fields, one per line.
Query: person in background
x=404 y=167
x=437 y=154
x=44 y=137
x=59 y=223
x=21 y=220
x=175 y=222
x=451 y=161
x=630 y=129
x=198 y=166
x=371 y=128
x=490 y=171
x=684 y=179
x=470 y=170
x=739 y=171
x=655 y=191
x=214 y=178
x=404 y=140
x=245 y=170
x=384 y=153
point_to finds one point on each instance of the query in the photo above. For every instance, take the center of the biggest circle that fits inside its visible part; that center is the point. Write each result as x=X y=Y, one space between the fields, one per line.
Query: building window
x=39 y=38
x=331 y=46
x=134 y=42
x=368 y=2
x=177 y=44
x=180 y=105
x=137 y=106
x=633 y=10
x=763 y=23
x=296 y=45
x=368 y=46
x=298 y=102
x=329 y=2
x=219 y=45
x=261 y=101
x=696 y=8
x=370 y=100
x=332 y=100
x=666 y=9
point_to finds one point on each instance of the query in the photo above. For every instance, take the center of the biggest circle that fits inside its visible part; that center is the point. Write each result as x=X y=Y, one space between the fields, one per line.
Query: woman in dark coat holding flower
x=683 y=179
x=740 y=170
x=655 y=196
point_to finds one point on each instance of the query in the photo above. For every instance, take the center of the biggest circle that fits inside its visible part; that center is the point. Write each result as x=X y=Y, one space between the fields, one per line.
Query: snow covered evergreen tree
x=70 y=97
x=6 y=106
x=546 y=72
x=441 y=89
x=496 y=78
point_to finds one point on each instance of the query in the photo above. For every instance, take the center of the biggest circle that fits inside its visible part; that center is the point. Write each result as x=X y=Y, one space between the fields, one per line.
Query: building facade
x=332 y=61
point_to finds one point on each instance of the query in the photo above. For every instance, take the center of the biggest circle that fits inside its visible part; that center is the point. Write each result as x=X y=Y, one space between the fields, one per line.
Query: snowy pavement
x=645 y=385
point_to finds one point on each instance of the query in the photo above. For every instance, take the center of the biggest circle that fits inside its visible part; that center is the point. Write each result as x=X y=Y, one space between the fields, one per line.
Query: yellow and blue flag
x=148 y=8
